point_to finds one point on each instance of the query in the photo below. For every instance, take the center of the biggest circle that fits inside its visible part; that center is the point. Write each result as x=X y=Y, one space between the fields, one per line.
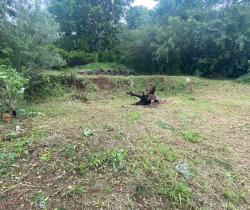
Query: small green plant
x=168 y=153
x=115 y=158
x=74 y=190
x=6 y=160
x=47 y=156
x=166 y=126
x=178 y=192
x=232 y=196
x=88 y=133
x=21 y=146
x=118 y=159
x=11 y=88
x=194 y=137
x=141 y=189
x=70 y=151
x=97 y=160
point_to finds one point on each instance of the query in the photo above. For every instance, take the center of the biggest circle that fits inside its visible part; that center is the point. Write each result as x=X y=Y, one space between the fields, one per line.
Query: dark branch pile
x=149 y=98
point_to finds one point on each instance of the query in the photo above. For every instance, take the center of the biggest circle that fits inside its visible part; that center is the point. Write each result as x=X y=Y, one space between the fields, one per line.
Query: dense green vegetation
x=208 y=38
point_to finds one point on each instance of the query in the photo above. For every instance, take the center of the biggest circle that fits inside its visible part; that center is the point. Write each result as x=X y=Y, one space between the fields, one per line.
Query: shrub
x=74 y=58
x=244 y=79
x=39 y=87
x=11 y=88
x=108 y=56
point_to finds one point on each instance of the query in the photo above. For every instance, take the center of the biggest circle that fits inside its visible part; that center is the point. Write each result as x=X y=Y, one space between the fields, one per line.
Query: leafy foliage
x=74 y=58
x=115 y=158
x=39 y=87
x=27 y=34
x=11 y=86
x=205 y=38
x=89 y=26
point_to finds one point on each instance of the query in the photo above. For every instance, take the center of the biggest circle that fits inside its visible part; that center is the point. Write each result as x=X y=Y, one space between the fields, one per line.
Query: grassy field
x=192 y=152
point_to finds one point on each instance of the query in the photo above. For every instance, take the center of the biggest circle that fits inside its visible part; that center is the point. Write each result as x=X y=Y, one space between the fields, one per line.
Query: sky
x=146 y=3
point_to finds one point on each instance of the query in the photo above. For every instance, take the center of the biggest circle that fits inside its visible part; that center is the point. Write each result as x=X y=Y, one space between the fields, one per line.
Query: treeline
x=209 y=38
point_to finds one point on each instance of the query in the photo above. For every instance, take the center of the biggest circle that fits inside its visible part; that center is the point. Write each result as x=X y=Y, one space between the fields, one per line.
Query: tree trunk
x=149 y=98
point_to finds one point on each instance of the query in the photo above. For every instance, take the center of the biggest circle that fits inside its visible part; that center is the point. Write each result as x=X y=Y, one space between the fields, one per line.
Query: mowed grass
x=192 y=152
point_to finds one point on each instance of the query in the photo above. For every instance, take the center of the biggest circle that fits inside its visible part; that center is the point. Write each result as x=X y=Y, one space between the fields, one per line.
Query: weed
x=115 y=158
x=74 y=190
x=21 y=146
x=232 y=196
x=194 y=137
x=6 y=160
x=70 y=151
x=46 y=157
x=167 y=126
x=88 y=133
x=178 y=192
x=119 y=135
x=141 y=189
x=167 y=152
x=118 y=159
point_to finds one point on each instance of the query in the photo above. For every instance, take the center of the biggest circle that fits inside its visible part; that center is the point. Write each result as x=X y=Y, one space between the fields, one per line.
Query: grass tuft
x=191 y=136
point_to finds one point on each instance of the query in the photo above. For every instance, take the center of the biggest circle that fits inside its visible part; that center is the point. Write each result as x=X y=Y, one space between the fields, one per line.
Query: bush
x=244 y=79
x=74 y=58
x=108 y=56
x=11 y=88
x=39 y=87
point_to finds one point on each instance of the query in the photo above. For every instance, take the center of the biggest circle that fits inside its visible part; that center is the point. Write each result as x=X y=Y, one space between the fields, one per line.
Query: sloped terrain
x=192 y=152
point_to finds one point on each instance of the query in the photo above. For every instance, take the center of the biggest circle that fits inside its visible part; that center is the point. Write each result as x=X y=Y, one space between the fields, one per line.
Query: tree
x=89 y=25
x=29 y=33
x=138 y=17
x=209 y=38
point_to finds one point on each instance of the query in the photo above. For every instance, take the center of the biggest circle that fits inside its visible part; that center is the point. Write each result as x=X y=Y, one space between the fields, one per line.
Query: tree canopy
x=208 y=38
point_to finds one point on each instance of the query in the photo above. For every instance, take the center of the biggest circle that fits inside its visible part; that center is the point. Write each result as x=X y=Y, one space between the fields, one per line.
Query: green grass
x=108 y=154
x=179 y=192
x=191 y=136
x=104 y=66
x=47 y=156
x=97 y=66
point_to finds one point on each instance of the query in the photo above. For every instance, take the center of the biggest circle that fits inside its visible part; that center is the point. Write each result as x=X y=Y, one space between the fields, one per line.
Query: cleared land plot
x=191 y=152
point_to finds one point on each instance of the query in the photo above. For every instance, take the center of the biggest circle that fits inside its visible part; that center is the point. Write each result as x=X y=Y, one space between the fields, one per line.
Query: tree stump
x=150 y=98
